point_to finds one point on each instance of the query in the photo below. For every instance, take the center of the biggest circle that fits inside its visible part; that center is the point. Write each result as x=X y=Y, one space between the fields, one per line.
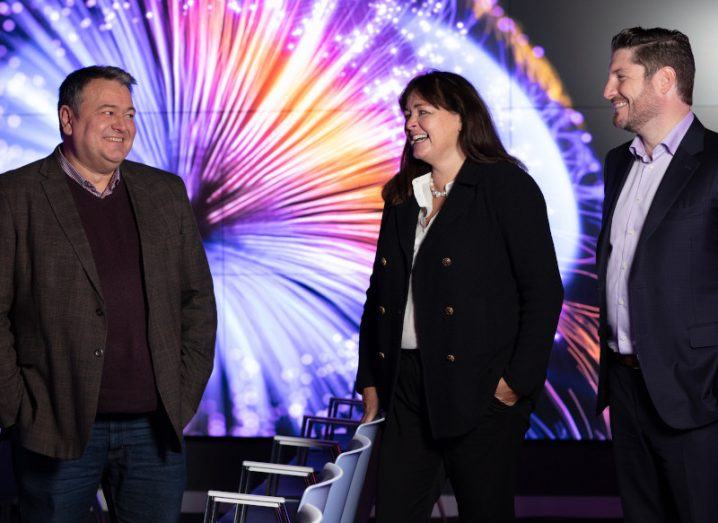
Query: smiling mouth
x=618 y=104
x=418 y=138
x=115 y=139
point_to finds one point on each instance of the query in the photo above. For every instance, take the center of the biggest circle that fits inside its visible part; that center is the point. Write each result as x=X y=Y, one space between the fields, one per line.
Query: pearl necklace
x=436 y=193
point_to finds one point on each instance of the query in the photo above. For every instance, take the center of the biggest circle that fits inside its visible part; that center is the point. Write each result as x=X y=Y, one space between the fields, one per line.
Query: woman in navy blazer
x=461 y=310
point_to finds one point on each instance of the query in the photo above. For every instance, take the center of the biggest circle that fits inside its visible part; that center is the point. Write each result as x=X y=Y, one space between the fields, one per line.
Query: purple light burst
x=281 y=117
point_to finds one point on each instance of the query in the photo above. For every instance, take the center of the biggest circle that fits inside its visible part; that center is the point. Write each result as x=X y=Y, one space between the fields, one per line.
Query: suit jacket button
x=446 y=262
x=381 y=355
x=99 y=353
x=99 y=312
x=449 y=310
x=383 y=261
x=381 y=310
x=450 y=358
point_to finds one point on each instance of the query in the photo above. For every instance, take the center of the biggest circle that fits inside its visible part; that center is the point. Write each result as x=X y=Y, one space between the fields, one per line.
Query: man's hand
x=371 y=404
x=504 y=393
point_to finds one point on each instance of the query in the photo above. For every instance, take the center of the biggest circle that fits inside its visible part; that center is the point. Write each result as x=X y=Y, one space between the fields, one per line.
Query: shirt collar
x=669 y=144
x=73 y=173
x=422 y=191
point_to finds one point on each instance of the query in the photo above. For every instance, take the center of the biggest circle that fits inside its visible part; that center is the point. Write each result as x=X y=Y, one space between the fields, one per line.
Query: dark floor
x=573 y=472
x=197 y=518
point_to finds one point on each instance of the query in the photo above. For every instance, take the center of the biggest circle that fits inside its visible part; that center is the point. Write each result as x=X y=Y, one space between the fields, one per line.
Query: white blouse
x=422 y=193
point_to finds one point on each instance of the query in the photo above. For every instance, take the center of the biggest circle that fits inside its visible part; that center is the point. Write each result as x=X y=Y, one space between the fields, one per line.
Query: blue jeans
x=142 y=478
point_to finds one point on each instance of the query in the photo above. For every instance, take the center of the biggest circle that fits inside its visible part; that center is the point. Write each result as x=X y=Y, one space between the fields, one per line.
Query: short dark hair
x=72 y=86
x=657 y=47
x=478 y=138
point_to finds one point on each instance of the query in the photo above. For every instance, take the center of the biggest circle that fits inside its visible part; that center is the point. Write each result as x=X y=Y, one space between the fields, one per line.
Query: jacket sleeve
x=365 y=376
x=523 y=219
x=11 y=385
x=199 y=314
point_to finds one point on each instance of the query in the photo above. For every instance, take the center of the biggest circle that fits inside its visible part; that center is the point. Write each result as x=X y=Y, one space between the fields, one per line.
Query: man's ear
x=666 y=79
x=67 y=118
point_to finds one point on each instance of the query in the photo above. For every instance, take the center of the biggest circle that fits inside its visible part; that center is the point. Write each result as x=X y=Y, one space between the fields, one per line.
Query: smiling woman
x=466 y=271
x=433 y=133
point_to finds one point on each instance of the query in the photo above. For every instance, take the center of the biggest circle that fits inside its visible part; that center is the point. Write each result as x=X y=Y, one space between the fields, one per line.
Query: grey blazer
x=50 y=294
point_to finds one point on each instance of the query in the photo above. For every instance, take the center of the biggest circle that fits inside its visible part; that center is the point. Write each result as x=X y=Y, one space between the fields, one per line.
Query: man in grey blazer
x=107 y=316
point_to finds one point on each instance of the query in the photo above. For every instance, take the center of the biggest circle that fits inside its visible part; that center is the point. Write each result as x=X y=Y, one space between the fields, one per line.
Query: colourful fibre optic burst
x=282 y=119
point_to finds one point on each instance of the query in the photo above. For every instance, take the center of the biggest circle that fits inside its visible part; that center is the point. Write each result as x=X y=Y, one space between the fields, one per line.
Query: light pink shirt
x=628 y=218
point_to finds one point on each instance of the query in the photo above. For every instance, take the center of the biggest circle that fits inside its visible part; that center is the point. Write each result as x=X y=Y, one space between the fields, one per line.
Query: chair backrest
x=347 y=461
x=318 y=493
x=308 y=513
x=368 y=430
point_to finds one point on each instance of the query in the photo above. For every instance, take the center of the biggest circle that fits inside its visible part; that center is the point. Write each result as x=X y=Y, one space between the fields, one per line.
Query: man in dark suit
x=107 y=316
x=658 y=283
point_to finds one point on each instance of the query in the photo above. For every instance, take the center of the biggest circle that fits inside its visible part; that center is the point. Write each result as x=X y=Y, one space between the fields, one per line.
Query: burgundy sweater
x=128 y=381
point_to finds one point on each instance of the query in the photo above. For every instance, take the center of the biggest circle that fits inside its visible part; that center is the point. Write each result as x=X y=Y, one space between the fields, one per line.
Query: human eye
x=130 y=116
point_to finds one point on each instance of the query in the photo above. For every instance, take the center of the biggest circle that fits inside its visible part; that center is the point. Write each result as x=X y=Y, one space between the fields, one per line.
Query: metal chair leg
x=210 y=511
x=240 y=513
x=284 y=515
x=442 y=510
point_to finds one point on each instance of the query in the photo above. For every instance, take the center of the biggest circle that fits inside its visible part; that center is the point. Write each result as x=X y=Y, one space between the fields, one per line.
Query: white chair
x=315 y=495
x=217 y=497
x=368 y=430
x=308 y=513
x=358 y=449
x=335 y=403
x=348 y=461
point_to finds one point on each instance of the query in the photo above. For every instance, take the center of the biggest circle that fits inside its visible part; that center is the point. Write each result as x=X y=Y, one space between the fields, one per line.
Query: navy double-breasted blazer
x=673 y=282
x=487 y=296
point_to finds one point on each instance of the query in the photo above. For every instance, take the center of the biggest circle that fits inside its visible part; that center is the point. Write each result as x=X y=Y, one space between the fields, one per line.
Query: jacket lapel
x=621 y=169
x=457 y=203
x=679 y=172
x=65 y=210
x=407 y=215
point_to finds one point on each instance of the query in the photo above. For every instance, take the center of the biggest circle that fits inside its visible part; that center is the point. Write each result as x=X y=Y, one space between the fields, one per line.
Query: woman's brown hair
x=478 y=138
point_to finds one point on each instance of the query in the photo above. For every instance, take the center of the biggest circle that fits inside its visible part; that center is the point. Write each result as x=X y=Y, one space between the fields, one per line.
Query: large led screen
x=281 y=117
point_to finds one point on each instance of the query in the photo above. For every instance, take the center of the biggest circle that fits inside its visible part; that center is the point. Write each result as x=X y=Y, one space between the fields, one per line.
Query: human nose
x=120 y=123
x=411 y=122
x=609 y=90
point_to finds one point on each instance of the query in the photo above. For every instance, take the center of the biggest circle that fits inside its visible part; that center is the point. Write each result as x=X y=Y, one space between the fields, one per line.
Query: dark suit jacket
x=487 y=296
x=50 y=294
x=673 y=283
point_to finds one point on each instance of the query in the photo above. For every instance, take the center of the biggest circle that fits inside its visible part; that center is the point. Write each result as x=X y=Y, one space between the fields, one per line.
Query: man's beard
x=643 y=109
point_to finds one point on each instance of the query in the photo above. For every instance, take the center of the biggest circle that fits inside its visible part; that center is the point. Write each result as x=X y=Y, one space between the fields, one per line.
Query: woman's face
x=433 y=132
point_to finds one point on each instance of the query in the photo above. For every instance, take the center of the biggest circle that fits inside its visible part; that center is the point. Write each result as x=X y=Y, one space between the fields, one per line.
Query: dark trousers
x=481 y=465
x=140 y=474
x=665 y=475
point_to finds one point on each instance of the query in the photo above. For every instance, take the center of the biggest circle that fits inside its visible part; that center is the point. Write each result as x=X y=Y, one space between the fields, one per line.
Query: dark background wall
x=576 y=35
